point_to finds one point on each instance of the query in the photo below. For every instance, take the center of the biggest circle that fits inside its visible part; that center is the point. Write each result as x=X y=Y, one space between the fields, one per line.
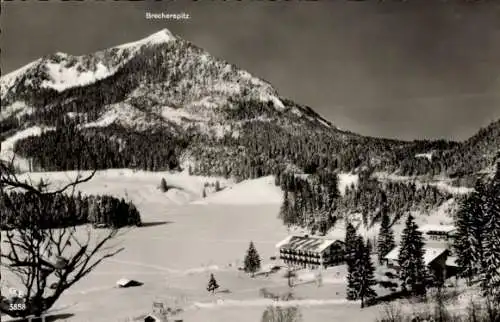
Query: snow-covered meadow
x=184 y=239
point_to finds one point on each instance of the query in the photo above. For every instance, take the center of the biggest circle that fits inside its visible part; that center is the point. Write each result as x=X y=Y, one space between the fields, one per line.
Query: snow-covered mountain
x=161 y=101
x=61 y=71
x=156 y=76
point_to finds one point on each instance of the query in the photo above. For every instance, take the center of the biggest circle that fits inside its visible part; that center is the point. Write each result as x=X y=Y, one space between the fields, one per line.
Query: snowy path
x=267 y=302
x=156 y=267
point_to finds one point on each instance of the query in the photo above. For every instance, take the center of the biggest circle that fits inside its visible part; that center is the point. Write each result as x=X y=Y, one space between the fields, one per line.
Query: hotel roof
x=430 y=254
x=440 y=228
x=306 y=243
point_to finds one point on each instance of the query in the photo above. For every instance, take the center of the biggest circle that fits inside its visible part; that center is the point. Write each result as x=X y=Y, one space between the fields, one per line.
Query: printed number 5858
x=17 y=307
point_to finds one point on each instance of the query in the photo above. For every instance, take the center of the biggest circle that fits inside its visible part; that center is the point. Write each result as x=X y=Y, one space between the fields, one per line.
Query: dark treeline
x=68 y=148
x=309 y=202
x=22 y=209
x=457 y=160
x=246 y=109
x=314 y=201
x=270 y=147
x=369 y=196
x=8 y=126
x=313 y=149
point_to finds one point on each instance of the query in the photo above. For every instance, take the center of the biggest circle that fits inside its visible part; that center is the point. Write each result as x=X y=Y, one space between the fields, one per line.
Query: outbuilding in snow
x=124 y=282
x=438 y=236
x=434 y=258
x=153 y=318
x=438 y=232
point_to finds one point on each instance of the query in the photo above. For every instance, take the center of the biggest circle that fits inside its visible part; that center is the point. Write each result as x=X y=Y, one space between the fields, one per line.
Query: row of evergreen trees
x=20 y=210
x=314 y=201
x=385 y=238
x=477 y=242
x=309 y=202
x=414 y=276
x=396 y=197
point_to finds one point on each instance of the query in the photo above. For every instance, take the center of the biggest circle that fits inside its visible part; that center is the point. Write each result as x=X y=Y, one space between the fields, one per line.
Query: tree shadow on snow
x=132 y=283
x=223 y=291
x=49 y=318
x=155 y=223
x=387 y=298
x=57 y=317
x=306 y=282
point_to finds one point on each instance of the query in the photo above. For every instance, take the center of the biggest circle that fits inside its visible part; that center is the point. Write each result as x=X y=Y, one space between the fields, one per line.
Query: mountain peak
x=160 y=76
x=62 y=71
x=162 y=36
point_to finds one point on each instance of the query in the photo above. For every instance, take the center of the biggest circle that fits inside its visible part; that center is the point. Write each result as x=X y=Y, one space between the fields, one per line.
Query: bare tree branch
x=34 y=252
x=7 y=178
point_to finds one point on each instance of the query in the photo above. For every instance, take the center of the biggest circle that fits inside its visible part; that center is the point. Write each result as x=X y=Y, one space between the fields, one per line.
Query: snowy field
x=185 y=238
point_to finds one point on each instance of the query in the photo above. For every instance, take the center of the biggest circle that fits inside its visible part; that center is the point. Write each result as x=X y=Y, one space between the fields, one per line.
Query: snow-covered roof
x=438 y=228
x=306 y=243
x=284 y=241
x=451 y=261
x=393 y=254
x=152 y=317
x=424 y=155
x=123 y=282
x=430 y=254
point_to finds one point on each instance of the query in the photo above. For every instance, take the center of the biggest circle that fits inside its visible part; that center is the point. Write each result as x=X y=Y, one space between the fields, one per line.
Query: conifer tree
x=252 y=260
x=490 y=272
x=413 y=272
x=350 y=243
x=462 y=244
x=477 y=211
x=285 y=210
x=361 y=273
x=163 y=185
x=471 y=232
x=353 y=269
x=212 y=284
x=385 y=241
x=366 y=273
x=324 y=222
